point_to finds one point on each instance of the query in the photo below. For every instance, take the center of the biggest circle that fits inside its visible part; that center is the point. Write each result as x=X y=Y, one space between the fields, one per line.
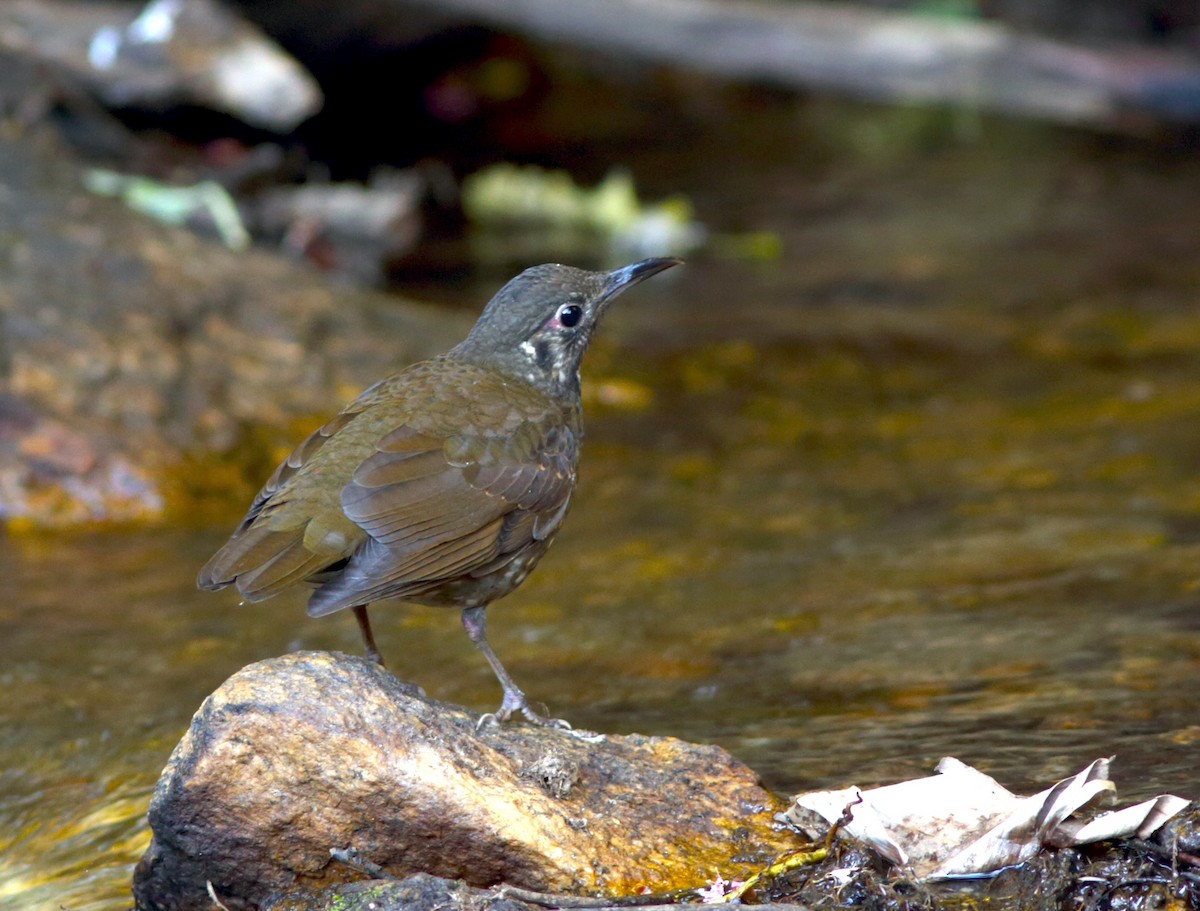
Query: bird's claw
x=506 y=712
x=560 y=724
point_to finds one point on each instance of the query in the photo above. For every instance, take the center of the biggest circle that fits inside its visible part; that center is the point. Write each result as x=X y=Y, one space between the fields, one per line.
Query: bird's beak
x=628 y=276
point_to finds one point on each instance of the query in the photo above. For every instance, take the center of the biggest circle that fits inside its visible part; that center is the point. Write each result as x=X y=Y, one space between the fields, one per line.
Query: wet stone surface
x=133 y=355
x=297 y=755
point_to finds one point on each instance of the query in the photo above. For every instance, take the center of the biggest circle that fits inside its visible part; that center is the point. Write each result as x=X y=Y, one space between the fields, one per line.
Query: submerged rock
x=298 y=755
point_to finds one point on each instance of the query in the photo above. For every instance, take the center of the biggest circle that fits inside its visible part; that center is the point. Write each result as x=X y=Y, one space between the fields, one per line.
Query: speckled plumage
x=443 y=484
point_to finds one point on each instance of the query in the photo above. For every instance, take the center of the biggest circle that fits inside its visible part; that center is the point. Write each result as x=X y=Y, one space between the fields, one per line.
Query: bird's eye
x=570 y=315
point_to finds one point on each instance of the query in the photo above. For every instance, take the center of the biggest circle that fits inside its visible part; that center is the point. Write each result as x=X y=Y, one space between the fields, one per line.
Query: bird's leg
x=364 y=627
x=474 y=621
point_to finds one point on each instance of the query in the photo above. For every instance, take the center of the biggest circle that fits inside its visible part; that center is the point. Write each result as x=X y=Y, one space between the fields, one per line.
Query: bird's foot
x=514 y=701
x=374 y=657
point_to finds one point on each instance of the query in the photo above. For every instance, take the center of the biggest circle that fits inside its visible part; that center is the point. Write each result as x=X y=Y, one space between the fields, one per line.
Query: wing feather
x=374 y=572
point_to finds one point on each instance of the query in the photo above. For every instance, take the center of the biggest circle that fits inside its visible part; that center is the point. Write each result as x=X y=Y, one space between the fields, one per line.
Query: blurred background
x=901 y=464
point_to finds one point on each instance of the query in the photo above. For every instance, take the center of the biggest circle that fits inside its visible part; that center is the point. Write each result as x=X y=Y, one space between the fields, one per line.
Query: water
x=925 y=486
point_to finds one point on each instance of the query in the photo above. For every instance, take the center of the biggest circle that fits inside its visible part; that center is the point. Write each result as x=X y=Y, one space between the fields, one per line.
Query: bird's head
x=539 y=324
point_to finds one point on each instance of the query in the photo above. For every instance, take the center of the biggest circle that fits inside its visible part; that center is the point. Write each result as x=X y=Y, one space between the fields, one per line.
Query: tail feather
x=293 y=564
x=261 y=562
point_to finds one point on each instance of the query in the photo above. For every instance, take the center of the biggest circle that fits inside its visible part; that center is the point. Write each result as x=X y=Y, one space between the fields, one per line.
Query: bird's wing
x=393 y=495
x=437 y=508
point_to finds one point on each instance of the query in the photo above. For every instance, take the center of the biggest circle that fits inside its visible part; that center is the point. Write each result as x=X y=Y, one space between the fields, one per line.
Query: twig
x=785 y=863
x=845 y=819
x=212 y=893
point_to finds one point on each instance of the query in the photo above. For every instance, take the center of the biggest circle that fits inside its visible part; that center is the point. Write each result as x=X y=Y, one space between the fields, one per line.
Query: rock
x=353 y=228
x=159 y=55
x=298 y=755
x=134 y=356
x=420 y=892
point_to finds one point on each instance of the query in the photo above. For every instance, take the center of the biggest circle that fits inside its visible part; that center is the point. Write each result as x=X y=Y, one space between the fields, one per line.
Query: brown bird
x=445 y=483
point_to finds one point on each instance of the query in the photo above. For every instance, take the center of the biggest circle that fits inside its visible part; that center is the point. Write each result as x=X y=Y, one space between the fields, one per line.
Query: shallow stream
x=928 y=484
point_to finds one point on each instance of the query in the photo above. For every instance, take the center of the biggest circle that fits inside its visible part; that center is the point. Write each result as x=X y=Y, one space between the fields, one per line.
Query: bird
x=445 y=483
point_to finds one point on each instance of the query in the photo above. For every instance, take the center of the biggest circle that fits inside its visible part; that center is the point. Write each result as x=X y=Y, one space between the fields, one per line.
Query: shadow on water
x=926 y=486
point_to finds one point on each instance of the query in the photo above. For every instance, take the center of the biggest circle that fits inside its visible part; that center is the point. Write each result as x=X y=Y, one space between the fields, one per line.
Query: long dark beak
x=628 y=276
